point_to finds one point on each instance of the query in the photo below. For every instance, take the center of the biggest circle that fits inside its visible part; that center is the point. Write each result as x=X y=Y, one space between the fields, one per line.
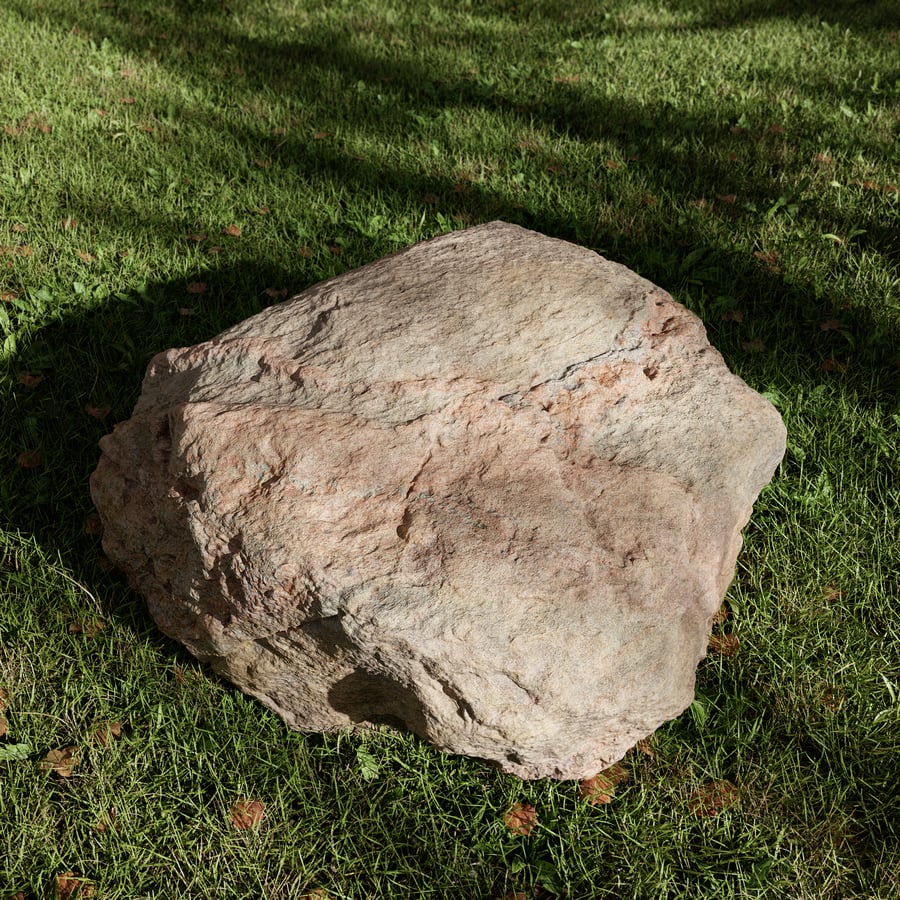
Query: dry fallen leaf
x=62 y=762
x=70 y=886
x=645 y=746
x=108 y=821
x=186 y=311
x=733 y=315
x=68 y=224
x=276 y=292
x=197 y=287
x=601 y=787
x=97 y=412
x=713 y=798
x=30 y=459
x=232 y=230
x=833 y=593
x=724 y=644
x=198 y=236
x=84 y=256
x=106 y=733
x=754 y=346
x=247 y=814
x=521 y=819
x=87 y=627
x=92 y=524
x=4 y=725
x=29 y=380
x=320 y=135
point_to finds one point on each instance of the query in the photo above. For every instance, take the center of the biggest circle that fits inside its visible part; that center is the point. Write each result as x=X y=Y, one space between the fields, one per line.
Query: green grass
x=743 y=155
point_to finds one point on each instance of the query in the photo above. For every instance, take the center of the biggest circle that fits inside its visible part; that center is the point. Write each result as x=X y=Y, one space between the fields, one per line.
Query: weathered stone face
x=491 y=487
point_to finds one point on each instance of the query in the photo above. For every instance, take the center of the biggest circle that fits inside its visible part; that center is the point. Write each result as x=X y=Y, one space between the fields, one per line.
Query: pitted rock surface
x=491 y=488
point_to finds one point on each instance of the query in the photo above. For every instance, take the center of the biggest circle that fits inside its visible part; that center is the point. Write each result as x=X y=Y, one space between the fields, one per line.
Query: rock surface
x=491 y=487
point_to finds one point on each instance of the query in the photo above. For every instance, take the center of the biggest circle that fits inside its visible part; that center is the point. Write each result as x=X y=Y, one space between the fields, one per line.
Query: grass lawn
x=169 y=167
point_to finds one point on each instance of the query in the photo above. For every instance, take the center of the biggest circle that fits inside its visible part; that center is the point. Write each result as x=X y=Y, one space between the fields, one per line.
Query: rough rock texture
x=491 y=487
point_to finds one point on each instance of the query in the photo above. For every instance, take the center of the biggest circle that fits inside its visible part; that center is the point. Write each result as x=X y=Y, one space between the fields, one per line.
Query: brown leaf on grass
x=721 y=615
x=15 y=250
x=87 y=627
x=261 y=210
x=232 y=230
x=70 y=886
x=769 y=259
x=62 y=762
x=276 y=292
x=106 y=733
x=247 y=814
x=823 y=159
x=19 y=228
x=830 y=325
x=730 y=199
x=197 y=236
x=108 y=821
x=30 y=122
x=521 y=819
x=834 y=593
x=600 y=788
x=4 y=698
x=30 y=459
x=97 y=412
x=754 y=346
x=320 y=135
x=713 y=798
x=737 y=129
x=724 y=644
x=186 y=311
x=305 y=252
x=68 y=224
x=612 y=164
x=197 y=287
x=4 y=725
x=92 y=524
x=29 y=380
x=336 y=249
x=834 y=365
x=648 y=200
x=567 y=79
x=316 y=894
x=645 y=746
x=832 y=697
x=430 y=199
x=84 y=256
x=733 y=315
x=7 y=296
x=775 y=129
x=128 y=101
x=263 y=163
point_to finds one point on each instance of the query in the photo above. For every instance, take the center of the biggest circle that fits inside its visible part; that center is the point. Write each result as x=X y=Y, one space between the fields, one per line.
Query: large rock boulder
x=491 y=487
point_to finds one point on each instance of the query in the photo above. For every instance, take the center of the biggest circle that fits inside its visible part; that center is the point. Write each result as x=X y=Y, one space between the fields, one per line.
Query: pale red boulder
x=491 y=487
